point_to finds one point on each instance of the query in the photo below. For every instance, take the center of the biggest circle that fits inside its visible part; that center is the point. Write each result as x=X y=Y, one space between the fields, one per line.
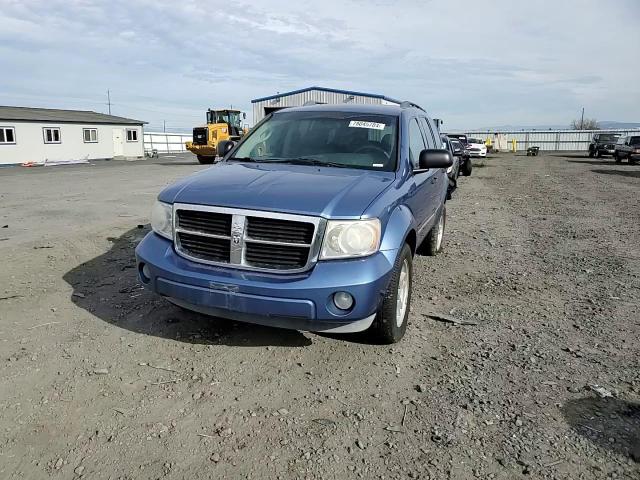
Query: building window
x=52 y=135
x=90 y=135
x=132 y=135
x=7 y=135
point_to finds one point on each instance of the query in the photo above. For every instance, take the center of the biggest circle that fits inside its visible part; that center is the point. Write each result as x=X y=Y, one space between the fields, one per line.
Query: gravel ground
x=100 y=379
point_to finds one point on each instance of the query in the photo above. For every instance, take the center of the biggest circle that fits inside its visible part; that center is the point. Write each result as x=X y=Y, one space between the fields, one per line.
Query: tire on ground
x=386 y=327
x=466 y=169
x=434 y=241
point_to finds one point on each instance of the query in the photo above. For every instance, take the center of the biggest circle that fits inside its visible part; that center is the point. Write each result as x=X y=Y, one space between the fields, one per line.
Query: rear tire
x=466 y=169
x=616 y=157
x=391 y=319
x=206 y=160
x=432 y=245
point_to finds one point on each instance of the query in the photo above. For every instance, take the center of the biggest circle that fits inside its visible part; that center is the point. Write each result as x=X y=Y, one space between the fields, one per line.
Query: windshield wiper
x=244 y=159
x=305 y=161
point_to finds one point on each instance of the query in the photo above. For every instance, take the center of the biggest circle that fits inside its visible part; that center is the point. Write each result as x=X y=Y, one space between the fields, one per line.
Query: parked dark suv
x=627 y=147
x=603 y=144
x=311 y=222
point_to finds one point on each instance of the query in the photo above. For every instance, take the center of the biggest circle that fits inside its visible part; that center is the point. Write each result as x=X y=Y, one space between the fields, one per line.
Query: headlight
x=350 y=238
x=162 y=219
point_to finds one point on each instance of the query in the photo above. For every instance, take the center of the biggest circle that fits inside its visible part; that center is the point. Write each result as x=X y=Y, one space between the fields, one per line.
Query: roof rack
x=407 y=104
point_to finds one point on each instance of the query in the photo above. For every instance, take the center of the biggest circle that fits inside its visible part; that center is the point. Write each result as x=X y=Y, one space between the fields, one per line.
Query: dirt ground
x=102 y=380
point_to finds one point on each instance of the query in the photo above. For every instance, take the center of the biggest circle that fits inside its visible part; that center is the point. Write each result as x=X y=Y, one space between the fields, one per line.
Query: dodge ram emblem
x=236 y=239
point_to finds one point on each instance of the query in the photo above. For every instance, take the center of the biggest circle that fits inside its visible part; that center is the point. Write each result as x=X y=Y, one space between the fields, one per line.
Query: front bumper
x=206 y=150
x=605 y=151
x=297 y=301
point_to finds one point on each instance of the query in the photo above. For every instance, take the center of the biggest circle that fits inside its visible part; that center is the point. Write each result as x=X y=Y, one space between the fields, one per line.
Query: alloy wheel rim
x=440 y=231
x=402 y=297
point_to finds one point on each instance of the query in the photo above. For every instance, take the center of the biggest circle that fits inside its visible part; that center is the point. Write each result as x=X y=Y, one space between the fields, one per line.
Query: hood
x=308 y=190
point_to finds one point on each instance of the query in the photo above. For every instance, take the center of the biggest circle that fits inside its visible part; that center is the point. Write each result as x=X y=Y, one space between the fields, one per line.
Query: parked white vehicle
x=476 y=147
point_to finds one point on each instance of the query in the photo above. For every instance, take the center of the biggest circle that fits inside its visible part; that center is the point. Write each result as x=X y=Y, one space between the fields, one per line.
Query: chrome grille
x=204 y=222
x=247 y=239
x=275 y=230
x=205 y=248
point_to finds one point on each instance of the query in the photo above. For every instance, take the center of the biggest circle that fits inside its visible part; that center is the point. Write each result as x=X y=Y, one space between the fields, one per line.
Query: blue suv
x=310 y=222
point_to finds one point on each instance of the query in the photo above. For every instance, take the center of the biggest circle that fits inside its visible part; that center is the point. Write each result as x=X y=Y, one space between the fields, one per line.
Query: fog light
x=145 y=272
x=343 y=300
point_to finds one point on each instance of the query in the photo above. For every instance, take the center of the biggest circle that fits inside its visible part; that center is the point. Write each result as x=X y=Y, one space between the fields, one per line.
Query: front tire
x=616 y=157
x=598 y=154
x=391 y=319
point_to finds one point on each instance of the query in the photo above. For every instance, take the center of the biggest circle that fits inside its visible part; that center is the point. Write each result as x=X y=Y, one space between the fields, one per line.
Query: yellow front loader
x=221 y=125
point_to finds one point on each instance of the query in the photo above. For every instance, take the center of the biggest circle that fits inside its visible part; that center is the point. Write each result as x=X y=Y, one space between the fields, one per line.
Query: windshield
x=611 y=137
x=224 y=116
x=344 y=139
x=475 y=140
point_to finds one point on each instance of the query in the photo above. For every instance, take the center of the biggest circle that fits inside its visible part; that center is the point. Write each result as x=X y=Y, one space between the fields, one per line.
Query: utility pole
x=582 y=119
x=164 y=126
x=109 y=101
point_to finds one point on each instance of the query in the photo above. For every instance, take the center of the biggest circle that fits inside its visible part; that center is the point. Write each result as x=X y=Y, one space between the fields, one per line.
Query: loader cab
x=232 y=118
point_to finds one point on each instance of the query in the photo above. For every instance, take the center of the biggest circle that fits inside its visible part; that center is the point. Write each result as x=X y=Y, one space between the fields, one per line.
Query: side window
x=416 y=142
x=7 y=135
x=52 y=135
x=428 y=134
x=132 y=135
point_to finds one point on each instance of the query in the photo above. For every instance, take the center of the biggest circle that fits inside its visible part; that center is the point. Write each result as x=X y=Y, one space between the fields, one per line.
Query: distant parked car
x=454 y=170
x=603 y=144
x=627 y=147
x=476 y=147
x=461 y=137
x=464 y=157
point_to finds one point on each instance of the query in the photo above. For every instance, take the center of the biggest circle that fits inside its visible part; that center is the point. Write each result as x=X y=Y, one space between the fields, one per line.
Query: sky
x=472 y=63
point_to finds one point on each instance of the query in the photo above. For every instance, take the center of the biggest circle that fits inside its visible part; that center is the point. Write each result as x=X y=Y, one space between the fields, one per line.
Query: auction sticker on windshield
x=361 y=124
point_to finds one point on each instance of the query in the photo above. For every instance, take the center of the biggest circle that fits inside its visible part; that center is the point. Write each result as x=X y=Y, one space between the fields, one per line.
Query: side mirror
x=224 y=147
x=434 y=158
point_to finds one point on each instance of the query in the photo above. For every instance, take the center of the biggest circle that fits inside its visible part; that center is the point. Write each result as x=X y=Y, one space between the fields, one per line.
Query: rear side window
x=416 y=142
x=428 y=133
x=634 y=141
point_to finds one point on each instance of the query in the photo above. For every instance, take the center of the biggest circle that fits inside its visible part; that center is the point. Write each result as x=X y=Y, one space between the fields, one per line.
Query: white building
x=41 y=134
x=297 y=98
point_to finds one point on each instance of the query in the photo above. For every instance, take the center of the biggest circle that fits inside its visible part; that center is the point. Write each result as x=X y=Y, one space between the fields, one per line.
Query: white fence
x=166 y=142
x=549 y=140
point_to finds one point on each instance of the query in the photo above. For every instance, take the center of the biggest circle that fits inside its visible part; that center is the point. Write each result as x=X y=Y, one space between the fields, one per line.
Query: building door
x=118 y=142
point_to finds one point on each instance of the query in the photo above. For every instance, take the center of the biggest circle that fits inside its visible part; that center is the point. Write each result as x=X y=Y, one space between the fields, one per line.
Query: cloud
x=467 y=62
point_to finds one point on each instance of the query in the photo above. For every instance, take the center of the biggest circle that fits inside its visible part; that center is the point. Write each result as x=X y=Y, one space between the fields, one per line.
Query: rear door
x=439 y=179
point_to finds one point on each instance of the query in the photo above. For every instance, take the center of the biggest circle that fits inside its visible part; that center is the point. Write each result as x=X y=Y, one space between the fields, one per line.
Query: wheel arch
x=400 y=229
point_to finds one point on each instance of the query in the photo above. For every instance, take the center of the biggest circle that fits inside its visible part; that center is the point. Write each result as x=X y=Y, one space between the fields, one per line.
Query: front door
x=118 y=142
x=421 y=200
